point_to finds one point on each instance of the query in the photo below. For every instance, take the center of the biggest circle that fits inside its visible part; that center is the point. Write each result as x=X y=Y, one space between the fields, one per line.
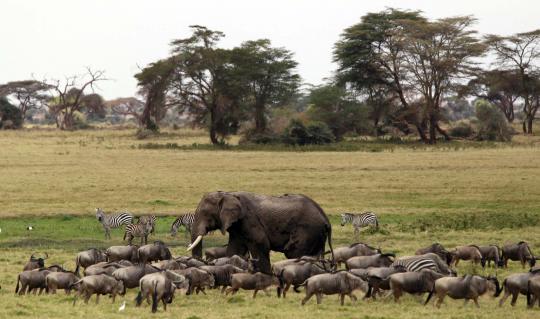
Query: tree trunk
x=213 y=133
x=432 y=129
x=260 y=121
x=421 y=132
x=530 y=120
x=525 y=126
x=443 y=133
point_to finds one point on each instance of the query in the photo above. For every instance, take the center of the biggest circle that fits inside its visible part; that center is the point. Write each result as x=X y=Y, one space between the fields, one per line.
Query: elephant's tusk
x=195 y=243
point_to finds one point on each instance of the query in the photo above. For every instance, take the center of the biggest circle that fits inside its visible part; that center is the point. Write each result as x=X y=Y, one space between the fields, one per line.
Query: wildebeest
x=102 y=268
x=234 y=260
x=35 y=262
x=413 y=282
x=469 y=252
x=154 y=252
x=516 y=284
x=278 y=266
x=32 y=279
x=190 y=261
x=222 y=274
x=533 y=291
x=342 y=254
x=89 y=257
x=492 y=253
x=212 y=253
x=518 y=252
x=378 y=278
x=60 y=280
x=296 y=274
x=437 y=249
x=98 y=285
x=131 y=275
x=257 y=281
x=378 y=260
x=115 y=253
x=199 y=279
x=466 y=287
x=341 y=282
x=161 y=287
x=169 y=264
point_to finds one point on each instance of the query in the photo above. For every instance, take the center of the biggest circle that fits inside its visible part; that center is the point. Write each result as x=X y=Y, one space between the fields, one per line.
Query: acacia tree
x=266 y=75
x=500 y=87
x=128 y=106
x=521 y=52
x=371 y=54
x=202 y=83
x=154 y=82
x=68 y=96
x=439 y=55
x=29 y=94
x=419 y=61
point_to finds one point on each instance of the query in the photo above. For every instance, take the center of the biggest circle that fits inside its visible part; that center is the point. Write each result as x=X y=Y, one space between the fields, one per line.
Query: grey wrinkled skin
x=341 y=282
x=292 y=224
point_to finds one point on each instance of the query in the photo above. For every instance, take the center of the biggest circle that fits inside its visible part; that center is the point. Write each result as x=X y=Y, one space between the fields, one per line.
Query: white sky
x=54 y=38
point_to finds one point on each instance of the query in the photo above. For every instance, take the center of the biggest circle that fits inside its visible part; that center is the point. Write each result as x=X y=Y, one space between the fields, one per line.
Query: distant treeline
x=399 y=73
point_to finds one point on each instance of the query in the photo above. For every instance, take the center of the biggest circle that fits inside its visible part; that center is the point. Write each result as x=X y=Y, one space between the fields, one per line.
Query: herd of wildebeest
x=153 y=270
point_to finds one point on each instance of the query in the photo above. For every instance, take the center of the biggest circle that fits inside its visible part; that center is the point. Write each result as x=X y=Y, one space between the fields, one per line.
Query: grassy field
x=455 y=193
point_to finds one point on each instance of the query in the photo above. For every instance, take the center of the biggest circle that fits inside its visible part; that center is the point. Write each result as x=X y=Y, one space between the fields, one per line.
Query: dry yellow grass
x=58 y=173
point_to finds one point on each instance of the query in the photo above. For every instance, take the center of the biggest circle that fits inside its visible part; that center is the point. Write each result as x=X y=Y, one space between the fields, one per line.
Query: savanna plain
x=454 y=193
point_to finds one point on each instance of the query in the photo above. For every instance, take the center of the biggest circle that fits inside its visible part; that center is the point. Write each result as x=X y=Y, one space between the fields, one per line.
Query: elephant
x=292 y=224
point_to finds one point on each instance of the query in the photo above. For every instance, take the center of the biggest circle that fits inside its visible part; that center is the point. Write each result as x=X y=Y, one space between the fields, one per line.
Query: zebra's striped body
x=141 y=229
x=112 y=220
x=151 y=219
x=420 y=262
x=185 y=220
x=359 y=220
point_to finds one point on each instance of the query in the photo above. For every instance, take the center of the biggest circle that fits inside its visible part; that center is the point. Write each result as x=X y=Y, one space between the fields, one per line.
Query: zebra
x=112 y=220
x=148 y=219
x=141 y=229
x=427 y=261
x=186 y=220
x=360 y=220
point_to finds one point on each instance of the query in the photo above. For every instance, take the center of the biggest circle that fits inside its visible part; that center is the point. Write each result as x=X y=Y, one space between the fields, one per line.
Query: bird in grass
x=122 y=306
x=30 y=227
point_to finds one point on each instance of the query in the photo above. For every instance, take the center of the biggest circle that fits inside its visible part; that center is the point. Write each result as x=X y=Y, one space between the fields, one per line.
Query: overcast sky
x=46 y=38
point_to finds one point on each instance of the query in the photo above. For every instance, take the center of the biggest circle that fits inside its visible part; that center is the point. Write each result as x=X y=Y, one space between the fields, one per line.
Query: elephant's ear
x=230 y=211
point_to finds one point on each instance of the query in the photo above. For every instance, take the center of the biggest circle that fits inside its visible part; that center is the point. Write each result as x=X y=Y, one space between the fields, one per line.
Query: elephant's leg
x=236 y=245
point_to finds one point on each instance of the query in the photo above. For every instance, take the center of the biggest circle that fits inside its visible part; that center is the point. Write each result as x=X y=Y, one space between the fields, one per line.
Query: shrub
x=10 y=116
x=267 y=137
x=461 y=129
x=492 y=125
x=143 y=133
x=314 y=133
